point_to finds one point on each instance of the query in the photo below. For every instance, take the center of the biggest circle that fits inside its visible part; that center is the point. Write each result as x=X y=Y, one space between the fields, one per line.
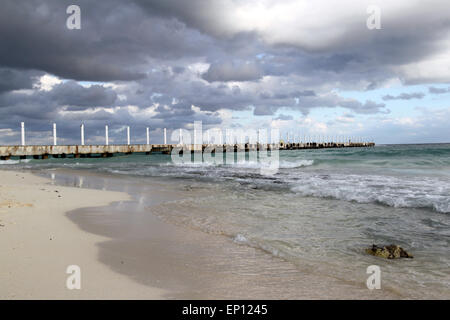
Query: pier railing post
x=198 y=140
x=22 y=133
x=106 y=135
x=54 y=134
x=148 y=135
x=82 y=134
x=195 y=138
x=128 y=135
x=165 y=136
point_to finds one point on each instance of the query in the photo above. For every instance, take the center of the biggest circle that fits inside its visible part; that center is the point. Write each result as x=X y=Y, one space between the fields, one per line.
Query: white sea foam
x=388 y=190
x=296 y=164
x=241 y=164
x=9 y=162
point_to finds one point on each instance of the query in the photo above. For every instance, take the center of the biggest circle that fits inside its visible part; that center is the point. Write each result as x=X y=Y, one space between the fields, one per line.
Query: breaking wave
x=391 y=191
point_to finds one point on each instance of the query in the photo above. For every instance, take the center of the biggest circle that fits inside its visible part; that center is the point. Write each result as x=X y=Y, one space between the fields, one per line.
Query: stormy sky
x=307 y=67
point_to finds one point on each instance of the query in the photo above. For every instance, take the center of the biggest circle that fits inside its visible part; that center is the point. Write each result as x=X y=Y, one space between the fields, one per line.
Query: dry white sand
x=38 y=242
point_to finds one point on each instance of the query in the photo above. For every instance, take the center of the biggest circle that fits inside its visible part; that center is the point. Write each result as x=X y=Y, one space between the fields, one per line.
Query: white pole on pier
x=106 y=135
x=148 y=135
x=82 y=134
x=207 y=137
x=128 y=135
x=22 y=133
x=165 y=136
x=195 y=136
x=54 y=134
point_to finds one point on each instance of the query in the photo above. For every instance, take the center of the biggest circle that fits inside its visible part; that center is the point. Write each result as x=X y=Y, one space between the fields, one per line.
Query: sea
x=319 y=210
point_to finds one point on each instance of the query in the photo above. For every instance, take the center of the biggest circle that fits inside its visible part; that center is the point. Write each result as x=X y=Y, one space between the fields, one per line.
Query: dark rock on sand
x=388 y=252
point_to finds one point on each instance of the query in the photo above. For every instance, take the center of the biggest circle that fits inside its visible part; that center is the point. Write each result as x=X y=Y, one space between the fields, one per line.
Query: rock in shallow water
x=388 y=252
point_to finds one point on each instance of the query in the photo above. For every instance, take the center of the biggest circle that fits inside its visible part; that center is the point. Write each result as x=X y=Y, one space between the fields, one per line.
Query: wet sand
x=187 y=263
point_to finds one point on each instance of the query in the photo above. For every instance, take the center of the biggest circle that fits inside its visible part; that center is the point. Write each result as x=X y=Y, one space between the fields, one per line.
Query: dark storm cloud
x=72 y=94
x=117 y=37
x=284 y=117
x=355 y=48
x=207 y=16
x=34 y=36
x=304 y=93
x=434 y=90
x=233 y=71
x=114 y=42
x=11 y=79
x=404 y=96
x=68 y=93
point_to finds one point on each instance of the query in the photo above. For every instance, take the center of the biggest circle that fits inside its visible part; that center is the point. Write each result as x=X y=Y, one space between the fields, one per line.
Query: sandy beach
x=38 y=243
x=125 y=252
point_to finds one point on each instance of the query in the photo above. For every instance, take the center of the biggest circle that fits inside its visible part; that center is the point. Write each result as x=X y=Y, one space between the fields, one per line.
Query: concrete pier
x=89 y=151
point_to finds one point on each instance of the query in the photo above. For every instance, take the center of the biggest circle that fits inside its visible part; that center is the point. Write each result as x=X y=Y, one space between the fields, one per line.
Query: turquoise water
x=411 y=176
x=320 y=210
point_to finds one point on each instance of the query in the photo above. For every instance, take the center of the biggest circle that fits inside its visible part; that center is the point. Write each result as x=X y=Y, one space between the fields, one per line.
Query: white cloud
x=47 y=82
